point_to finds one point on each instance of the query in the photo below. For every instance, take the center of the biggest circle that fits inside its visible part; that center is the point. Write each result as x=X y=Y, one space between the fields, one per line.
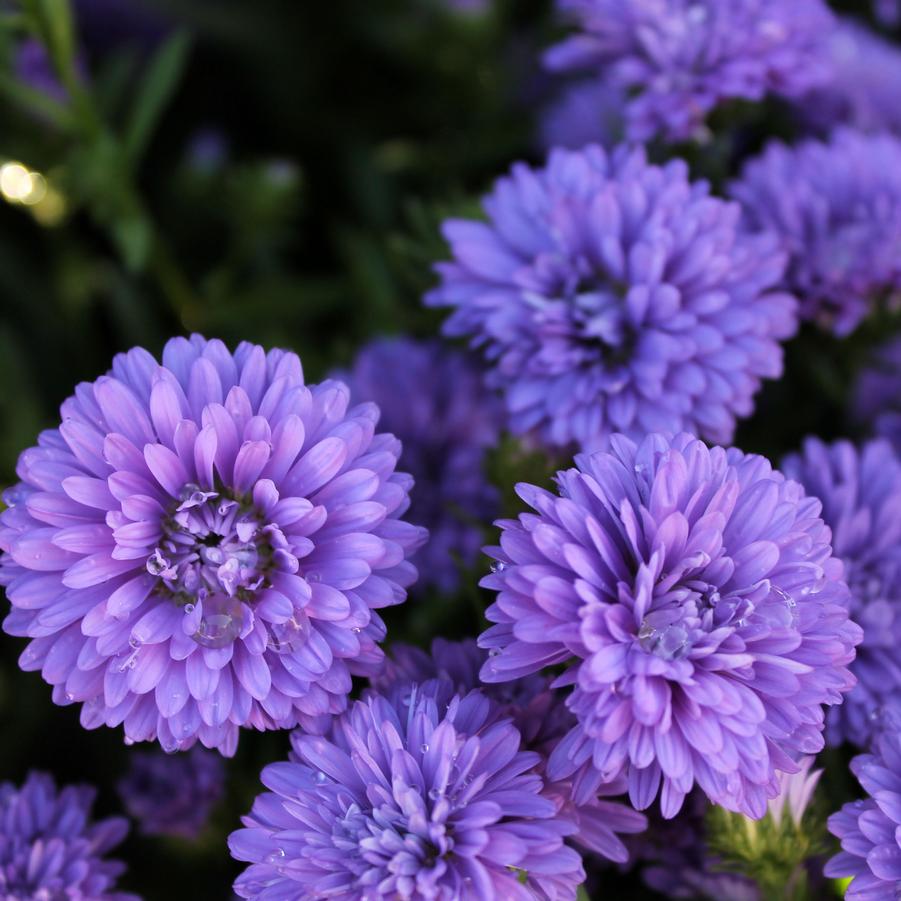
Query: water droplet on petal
x=288 y=637
x=497 y=566
x=221 y=621
x=424 y=747
x=436 y=794
x=321 y=777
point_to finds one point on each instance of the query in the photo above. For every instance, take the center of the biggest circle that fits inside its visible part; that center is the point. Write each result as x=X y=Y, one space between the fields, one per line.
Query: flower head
x=613 y=295
x=540 y=716
x=861 y=496
x=50 y=849
x=870 y=830
x=836 y=207
x=679 y=59
x=172 y=794
x=694 y=595
x=202 y=545
x=431 y=397
x=423 y=794
x=876 y=398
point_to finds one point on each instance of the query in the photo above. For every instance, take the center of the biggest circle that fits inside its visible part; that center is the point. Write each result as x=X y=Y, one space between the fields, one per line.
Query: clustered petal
x=172 y=794
x=202 y=545
x=610 y=295
x=541 y=717
x=693 y=594
x=861 y=496
x=50 y=849
x=870 y=830
x=836 y=207
x=679 y=59
x=421 y=794
x=432 y=398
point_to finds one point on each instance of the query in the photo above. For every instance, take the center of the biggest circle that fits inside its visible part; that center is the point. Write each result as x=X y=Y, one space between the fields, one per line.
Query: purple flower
x=34 y=68
x=542 y=720
x=50 y=850
x=589 y=111
x=172 y=794
x=679 y=59
x=861 y=496
x=887 y=12
x=612 y=295
x=836 y=208
x=423 y=795
x=876 y=399
x=202 y=545
x=694 y=596
x=862 y=90
x=869 y=830
x=431 y=397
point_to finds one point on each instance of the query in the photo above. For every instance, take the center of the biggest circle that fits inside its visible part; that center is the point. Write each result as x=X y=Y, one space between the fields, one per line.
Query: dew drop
x=69 y=696
x=321 y=778
x=189 y=608
x=288 y=637
x=276 y=856
x=221 y=622
x=356 y=630
x=436 y=794
x=424 y=747
x=495 y=652
x=497 y=566
x=134 y=643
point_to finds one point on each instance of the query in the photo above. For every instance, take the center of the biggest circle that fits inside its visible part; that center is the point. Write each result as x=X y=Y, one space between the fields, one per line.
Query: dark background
x=289 y=193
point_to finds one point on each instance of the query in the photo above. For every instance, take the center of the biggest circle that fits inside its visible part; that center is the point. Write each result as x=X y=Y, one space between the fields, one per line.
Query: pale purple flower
x=588 y=111
x=876 y=398
x=870 y=830
x=861 y=496
x=679 y=59
x=863 y=85
x=424 y=794
x=836 y=207
x=542 y=719
x=172 y=794
x=432 y=398
x=50 y=849
x=610 y=295
x=694 y=599
x=202 y=545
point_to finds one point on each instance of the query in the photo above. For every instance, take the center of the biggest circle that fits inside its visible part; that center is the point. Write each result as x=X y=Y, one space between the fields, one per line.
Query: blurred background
x=275 y=172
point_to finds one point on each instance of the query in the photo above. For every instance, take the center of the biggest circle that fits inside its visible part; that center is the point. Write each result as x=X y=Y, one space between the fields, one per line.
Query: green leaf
x=36 y=102
x=158 y=86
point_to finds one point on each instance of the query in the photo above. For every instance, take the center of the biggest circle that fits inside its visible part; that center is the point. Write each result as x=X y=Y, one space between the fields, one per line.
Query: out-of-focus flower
x=610 y=295
x=432 y=398
x=540 y=716
x=861 y=496
x=202 y=545
x=425 y=794
x=679 y=59
x=172 y=794
x=694 y=596
x=836 y=207
x=870 y=830
x=584 y=112
x=863 y=86
x=50 y=849
x=34 y=68
x=876 y=399
x=887 y=12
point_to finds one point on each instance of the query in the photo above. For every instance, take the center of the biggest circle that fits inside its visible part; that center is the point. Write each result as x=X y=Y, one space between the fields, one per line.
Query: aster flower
x=862 y=90
x=202 y=545
x=693 y=595
x=409 y=797
x=887 y=12
x=542 y=720
x=876 y=398
x=836 y=207
x=861 y=496
x=50 y=849
x=613 y=295
x=679 y=59
x=869 y=830
x=172 y=794
x=588 y=111
x=432 y=398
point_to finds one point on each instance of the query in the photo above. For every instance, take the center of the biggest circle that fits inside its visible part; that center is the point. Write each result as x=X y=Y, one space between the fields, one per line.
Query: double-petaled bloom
x=203 y=544
x=693 y=597
x=612 y=295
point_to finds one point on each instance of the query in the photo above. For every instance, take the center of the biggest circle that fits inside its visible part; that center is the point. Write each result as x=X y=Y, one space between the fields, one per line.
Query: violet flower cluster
x=49 y=847
x=836 y=208
x=876 y=396
x=423 y=793
x=680 y=59
x=203 y=545
x=609 y=294
x=432 y=399
x=694 y=599
x=861 y=495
